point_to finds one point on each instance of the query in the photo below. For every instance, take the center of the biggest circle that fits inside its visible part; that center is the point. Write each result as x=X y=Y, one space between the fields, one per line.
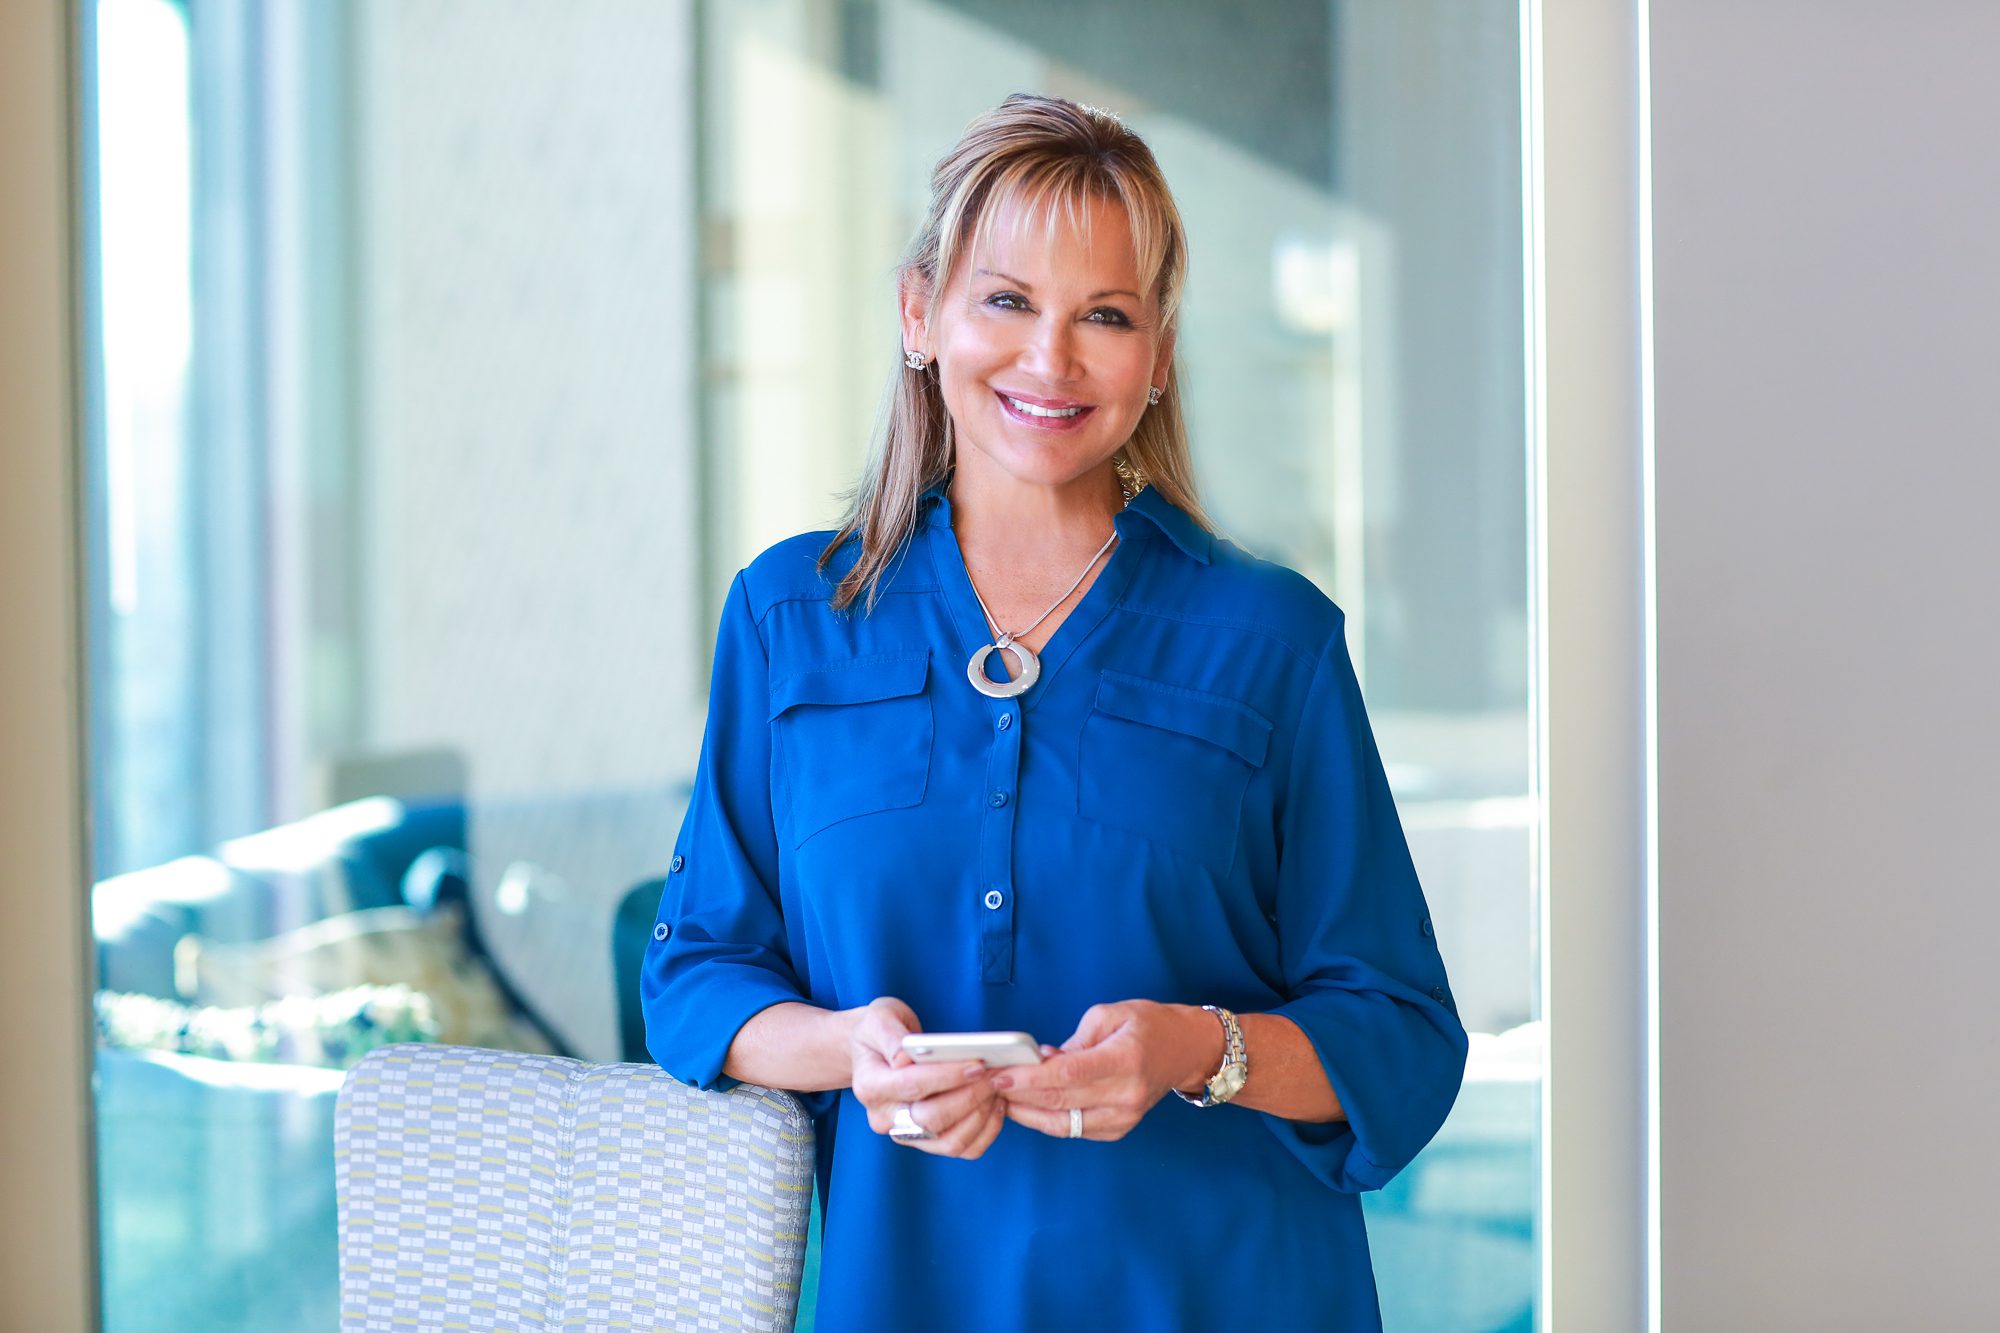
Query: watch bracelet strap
x=1232 y=1053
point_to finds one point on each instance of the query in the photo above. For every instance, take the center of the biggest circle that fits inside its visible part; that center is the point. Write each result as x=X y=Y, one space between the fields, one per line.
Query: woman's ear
x=1163 y=360
x=913 y=297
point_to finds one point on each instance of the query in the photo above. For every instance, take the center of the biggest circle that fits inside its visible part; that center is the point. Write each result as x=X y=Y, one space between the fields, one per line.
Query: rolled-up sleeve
x=1362 y=969
x=719 y=952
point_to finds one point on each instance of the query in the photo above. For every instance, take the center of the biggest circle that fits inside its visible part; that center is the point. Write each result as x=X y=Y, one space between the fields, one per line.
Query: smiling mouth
x=1048 y=418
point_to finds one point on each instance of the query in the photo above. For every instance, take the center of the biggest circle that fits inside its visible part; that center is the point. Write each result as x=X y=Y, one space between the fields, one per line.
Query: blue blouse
x=1186 y=807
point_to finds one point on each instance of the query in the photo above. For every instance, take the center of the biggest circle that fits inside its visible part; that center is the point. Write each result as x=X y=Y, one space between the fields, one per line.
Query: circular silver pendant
x=975 y=670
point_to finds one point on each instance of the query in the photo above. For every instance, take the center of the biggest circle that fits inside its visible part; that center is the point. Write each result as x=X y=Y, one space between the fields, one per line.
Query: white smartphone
x=990 y=1048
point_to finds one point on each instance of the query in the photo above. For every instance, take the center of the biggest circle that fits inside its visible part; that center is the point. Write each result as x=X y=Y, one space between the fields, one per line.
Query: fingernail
x=973 y=1071
x=1002 y=1082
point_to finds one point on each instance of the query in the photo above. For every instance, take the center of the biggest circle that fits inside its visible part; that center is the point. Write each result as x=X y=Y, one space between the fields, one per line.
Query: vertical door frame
x=48 y=1258
x=1589 y=243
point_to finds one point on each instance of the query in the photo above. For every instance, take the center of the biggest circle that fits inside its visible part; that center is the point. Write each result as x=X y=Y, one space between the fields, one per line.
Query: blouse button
x=676 y=864
x=1428 y=929
x=997 y=799
x=661 y=931
x=1006 y=721
x=994 y=898
x=1437 y=993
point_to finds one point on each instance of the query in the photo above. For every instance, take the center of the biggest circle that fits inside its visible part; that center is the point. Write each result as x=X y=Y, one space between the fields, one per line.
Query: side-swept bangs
x=1041 y=193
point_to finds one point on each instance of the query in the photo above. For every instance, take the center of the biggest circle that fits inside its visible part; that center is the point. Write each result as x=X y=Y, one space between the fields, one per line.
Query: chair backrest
x=487 y=1189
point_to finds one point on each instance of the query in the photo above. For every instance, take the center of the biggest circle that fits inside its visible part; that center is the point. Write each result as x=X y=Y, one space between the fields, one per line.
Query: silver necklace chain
x=1005 y=642
x=1004 y=637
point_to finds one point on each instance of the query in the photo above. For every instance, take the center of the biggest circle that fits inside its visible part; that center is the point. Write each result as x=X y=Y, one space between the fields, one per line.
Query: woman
x=1025 y=746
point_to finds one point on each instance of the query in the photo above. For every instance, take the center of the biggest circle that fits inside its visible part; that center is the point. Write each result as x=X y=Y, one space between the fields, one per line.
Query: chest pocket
x=852 y=737
x=1170 y=764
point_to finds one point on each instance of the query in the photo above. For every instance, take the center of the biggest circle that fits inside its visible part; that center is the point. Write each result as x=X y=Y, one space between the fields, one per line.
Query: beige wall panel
x=46 y=1271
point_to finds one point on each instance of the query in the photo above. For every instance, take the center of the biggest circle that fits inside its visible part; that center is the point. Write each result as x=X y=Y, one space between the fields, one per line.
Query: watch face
x=1227 y=1083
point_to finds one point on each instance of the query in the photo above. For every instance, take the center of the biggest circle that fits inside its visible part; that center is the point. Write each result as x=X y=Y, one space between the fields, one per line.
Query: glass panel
x=447 y=361
x=396 y=647
x=1354 y=372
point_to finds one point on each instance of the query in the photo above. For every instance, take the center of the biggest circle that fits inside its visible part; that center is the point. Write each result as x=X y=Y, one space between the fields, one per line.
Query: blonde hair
x=1055 y=156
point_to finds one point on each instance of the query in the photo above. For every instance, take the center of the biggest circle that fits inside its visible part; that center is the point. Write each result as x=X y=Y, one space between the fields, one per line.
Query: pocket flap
x=853 y=680
x=1236 y=727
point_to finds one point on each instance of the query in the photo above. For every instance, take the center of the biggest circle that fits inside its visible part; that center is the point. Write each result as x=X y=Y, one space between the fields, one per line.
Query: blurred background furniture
x=223 y=1039
x=534 y=1192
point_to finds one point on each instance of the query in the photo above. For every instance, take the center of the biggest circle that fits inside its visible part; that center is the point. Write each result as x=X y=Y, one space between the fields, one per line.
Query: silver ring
x=1076 y=1122
x=905 y=1129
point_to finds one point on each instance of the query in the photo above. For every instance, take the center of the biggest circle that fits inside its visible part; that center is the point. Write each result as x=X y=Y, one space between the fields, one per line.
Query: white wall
x=526 y=316
x=532 y=596
x=1827 y=277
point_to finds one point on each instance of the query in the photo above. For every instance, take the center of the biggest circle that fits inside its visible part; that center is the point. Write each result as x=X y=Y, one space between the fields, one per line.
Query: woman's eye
x=999 y=297
x=1111 y=315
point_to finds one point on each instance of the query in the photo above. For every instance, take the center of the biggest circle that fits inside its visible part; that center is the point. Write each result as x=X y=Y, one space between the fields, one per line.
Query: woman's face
x=1045 y=347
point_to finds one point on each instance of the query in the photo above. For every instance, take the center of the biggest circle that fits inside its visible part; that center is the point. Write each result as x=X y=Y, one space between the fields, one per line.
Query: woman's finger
x=996 y=1120
x=916 y=1083
x=1053 y=1123
x=1050 y=1098
x=892 y=1010
x=1098 y=1022
x=954 y=1119
x=1103 y=1123
x=958 y=1136
x=961 y=1109
x=882 y=1029
x=956 y=1104
x=969 y=1137
x=942 y=1138
x=1087 y=1078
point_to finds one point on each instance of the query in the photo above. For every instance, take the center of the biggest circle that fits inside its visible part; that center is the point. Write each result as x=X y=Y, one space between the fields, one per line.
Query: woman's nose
x=1051 y=353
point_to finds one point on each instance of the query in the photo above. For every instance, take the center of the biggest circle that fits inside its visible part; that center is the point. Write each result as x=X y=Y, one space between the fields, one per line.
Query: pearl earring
x=914 y=359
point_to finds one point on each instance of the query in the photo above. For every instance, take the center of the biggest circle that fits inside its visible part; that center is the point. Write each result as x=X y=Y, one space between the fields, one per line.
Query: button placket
x=996 y=852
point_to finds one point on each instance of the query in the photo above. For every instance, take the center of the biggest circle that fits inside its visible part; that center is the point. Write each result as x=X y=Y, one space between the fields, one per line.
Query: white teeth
x=1030 y=409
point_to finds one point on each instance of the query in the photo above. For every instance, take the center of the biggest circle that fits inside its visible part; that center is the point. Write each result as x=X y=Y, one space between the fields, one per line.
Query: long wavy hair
x=1050 y=156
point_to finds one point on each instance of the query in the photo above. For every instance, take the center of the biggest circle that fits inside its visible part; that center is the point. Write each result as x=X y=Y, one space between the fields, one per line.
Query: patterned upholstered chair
x=490 y=1190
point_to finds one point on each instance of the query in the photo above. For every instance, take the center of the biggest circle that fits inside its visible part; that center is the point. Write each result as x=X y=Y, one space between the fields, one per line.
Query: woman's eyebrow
x=996 y=273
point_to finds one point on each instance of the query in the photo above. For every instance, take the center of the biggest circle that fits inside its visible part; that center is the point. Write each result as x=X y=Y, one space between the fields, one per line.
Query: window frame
x=1595 y=678
x=48 y=1223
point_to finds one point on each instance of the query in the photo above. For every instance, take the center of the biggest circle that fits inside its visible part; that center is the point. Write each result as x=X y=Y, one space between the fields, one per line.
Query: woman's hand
x=955 y=1102
x=1122 y=1059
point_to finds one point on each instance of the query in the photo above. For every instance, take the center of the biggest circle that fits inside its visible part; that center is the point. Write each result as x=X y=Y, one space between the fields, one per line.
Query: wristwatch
x=1227 y=1081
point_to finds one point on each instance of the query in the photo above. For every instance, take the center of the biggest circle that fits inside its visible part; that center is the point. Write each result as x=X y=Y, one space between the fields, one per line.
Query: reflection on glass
x=391 y=603
x=450 y=359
